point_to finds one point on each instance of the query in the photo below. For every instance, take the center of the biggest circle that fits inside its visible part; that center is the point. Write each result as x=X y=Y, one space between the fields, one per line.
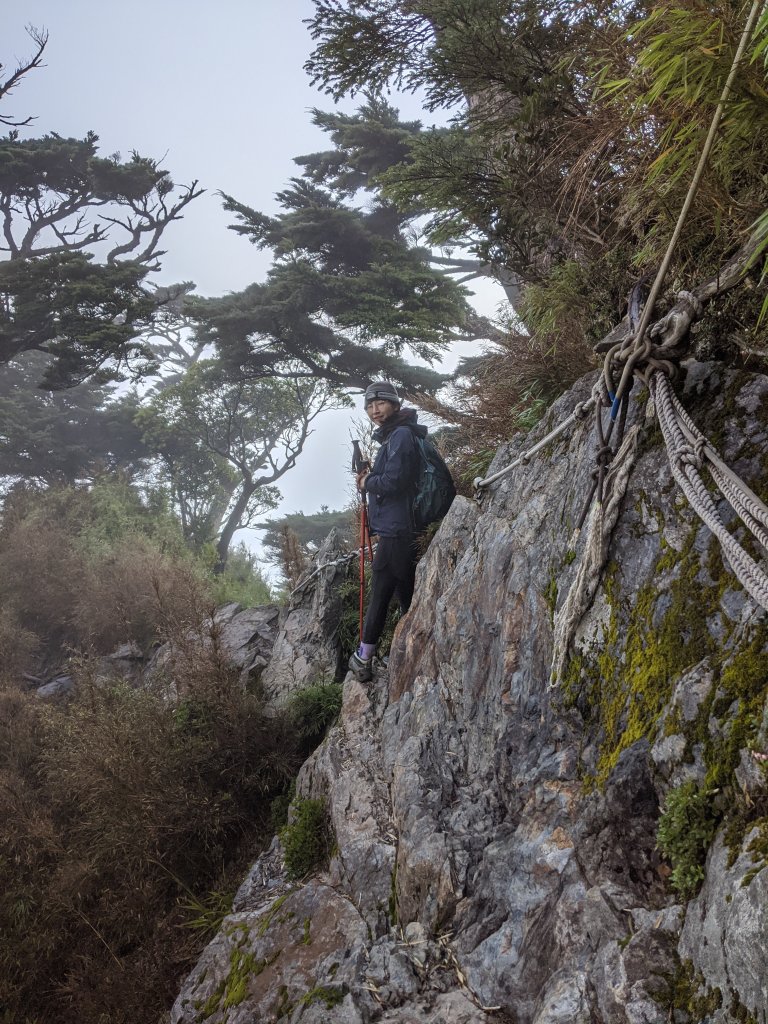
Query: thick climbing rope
x=687 y=448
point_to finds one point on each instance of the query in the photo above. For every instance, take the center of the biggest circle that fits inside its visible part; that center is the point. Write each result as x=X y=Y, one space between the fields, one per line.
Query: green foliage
x=683 y=56
x=69 y=305
x=207 y=912
x=313 y=709
x=92 y=567
x=86 y=314
x=575 y=136
x=223 y=444
x=95 y=566
x=241 y=581
x=306 y=838
x=62 y=436
x=346 y=281
x=686 y=829
x=310 y=528
x=365 y=145
x=278 y=811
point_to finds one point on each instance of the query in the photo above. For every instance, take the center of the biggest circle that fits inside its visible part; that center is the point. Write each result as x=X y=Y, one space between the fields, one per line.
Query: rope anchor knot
x=692 y=454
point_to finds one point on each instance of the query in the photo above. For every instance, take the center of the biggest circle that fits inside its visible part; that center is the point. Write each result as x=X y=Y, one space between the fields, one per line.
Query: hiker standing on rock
x=390 y=488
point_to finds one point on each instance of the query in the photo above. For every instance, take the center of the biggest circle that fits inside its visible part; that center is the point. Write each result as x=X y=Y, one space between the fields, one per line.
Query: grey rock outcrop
x=61 y=686
x=126 y=662
x=726 y=932
x=325 y=949
x=496 y=855
x=246 y=637
x=307 y=647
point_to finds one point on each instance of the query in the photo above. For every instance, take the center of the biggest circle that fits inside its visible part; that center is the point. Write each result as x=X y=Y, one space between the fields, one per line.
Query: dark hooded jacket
x=391 y=485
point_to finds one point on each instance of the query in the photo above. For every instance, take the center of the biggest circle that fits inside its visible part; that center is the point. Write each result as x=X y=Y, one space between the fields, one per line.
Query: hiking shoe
x=361 y=668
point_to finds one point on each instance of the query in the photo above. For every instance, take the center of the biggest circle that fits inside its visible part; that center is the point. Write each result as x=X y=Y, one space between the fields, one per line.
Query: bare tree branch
x=40 y=38
x=151 y=220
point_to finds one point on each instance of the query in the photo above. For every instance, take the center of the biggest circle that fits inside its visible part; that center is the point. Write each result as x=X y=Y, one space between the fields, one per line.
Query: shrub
x=686 y=829
x=94 y=568
x=313 y=709
x=82 y=568
x=241 y=581
x=18 y=646
x=113 y=808
x=306 y=838
x=40 y=577
x=133 y=592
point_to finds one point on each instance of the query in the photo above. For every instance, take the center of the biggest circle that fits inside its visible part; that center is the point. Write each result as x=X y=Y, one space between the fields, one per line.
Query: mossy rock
x=306 y=838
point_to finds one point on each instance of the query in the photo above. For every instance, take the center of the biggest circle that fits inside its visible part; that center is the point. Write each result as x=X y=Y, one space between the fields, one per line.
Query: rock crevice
x=496 y=848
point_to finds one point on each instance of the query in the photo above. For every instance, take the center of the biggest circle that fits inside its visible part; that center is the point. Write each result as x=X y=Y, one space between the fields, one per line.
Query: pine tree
x=60 y=203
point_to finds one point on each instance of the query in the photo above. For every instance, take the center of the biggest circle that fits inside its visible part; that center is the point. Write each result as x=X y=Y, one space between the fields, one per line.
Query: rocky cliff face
x=495 y=830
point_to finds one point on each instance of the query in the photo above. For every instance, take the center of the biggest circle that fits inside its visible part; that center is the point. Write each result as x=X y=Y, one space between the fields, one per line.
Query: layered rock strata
x=495 y=829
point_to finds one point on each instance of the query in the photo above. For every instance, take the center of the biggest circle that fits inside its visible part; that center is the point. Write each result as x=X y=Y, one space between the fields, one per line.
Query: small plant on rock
x=313 y=709
x=686 y=829
x=306 y=838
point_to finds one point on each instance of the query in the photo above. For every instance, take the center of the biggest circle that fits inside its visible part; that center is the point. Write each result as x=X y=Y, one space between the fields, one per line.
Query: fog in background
x=217 y=93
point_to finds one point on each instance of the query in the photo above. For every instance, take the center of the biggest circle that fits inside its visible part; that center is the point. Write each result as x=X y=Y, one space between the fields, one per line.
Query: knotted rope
x=652 y=355
x=603 y=517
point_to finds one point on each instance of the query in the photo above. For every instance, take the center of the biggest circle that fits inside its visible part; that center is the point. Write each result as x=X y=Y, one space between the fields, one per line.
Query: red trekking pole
x=360 y=465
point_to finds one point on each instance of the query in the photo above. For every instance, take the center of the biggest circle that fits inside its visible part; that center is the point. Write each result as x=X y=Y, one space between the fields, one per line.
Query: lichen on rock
x=496 y=854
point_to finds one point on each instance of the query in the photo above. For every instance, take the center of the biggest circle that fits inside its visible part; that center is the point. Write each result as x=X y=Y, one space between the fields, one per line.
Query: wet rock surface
x=495 y=831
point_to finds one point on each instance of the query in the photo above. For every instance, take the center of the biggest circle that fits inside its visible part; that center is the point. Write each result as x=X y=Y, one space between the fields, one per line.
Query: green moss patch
x=269 y=916
x=660 y=636
x=307 y=838
x=331 y=995
x=687 y=992
x=623 y=685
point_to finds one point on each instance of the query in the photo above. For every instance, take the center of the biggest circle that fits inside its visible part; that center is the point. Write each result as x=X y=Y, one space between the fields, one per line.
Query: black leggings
x=394 y=568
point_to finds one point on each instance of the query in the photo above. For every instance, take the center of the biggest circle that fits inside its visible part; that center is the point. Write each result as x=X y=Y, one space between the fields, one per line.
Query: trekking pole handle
x=359 y=463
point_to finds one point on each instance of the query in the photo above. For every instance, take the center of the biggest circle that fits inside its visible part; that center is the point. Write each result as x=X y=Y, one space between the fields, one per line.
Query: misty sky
x=217 y=91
